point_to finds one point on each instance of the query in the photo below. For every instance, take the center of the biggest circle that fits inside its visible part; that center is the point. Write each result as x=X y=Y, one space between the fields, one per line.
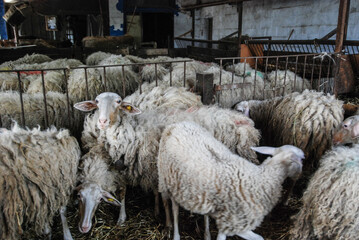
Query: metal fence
x=313 y=71
x=20 y=73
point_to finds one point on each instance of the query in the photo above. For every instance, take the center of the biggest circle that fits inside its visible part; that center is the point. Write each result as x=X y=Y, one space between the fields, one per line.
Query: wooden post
x=240 y=17
x=343 y=72
x=204 y=87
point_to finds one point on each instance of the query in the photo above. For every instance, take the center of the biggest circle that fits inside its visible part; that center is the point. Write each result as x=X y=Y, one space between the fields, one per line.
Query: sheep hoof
x=167 y=232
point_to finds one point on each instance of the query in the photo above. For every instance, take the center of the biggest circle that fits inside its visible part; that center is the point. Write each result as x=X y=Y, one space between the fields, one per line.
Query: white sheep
x=34 y=109
x=96 y=57
x=96 y=182
x=136 y=139
x=330 y=202
x=38 y=174
x=203 y=176
x=305 y=120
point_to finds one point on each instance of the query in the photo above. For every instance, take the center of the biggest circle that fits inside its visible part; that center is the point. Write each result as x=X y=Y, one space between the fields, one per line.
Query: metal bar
x=285 y=75
x=21 y=100
x=123 y=82
x=233 y=71
x=276 y=72
x=156 y=74
x=265 y=74
x=320 y=73
x=67 y=97
x=328 y=78
x=184 y=75
x=231 y=86
x=87 y=84
x=240 y=20
x=104 y=78
x=45 y=103
x=220 y=72
x=255 y=78
x=295 y=75
x=171 y=74
x=312 y=75
x=305 y=62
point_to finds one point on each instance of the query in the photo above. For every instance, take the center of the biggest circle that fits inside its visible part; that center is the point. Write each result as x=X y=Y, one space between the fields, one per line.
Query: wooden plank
x=204 y=87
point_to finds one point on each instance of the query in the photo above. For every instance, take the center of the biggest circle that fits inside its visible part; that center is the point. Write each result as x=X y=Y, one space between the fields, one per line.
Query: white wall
x=309 y=18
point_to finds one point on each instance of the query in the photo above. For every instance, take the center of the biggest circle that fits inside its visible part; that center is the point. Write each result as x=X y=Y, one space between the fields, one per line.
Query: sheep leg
x=157 y=203
x=65 y=226
x=167 y=211
x=47 y=231
x=207 y=234
x=249 y=235
x=122 y=216
x=176 y=235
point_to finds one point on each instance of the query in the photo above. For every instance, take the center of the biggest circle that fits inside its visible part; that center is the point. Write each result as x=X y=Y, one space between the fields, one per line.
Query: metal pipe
x=45 y=103
x=67 y=97
x=21 y=100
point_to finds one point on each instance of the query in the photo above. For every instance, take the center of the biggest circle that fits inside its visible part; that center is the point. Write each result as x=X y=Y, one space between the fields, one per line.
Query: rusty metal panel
x=344 y=80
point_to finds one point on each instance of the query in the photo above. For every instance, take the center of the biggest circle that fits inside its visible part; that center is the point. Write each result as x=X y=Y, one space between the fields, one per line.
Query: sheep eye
x=118 y=101
x=345 y=125
x=96 y=101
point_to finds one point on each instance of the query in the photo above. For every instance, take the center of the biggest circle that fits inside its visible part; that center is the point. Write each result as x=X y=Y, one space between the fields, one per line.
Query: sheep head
x=90 y=195
x=347 y=131
x=293 y=161
x=108 y=104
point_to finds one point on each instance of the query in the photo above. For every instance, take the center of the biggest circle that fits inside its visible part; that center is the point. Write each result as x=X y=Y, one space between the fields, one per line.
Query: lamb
x=305 y=120
x=330 y=202
x=203 y=176
x=97 y=180
x=38 y=174
x=10 y=109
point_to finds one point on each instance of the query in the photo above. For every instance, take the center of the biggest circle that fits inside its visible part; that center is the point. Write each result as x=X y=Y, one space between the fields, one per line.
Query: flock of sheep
x=160 y=137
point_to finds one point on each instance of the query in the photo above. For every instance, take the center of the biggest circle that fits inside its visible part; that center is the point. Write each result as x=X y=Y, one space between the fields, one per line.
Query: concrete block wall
x=309 y=18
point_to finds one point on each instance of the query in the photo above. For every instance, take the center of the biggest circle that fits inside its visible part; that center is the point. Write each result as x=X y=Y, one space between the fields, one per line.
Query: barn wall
x=309 y=19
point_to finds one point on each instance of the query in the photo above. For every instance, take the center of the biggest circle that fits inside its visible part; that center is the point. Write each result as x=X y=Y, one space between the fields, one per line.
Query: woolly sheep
x=53 y=81
x=285 y=82
x=27 y=59
x=96 y=181
x=202 y=175
x=134 y=140
x=34 y=109
x=330 y=202
x=347 y=131
x=305 y=120
x=96 y=57
x=38 y=174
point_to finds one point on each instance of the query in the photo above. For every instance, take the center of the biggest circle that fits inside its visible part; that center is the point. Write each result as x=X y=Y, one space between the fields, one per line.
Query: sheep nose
x=102 y=121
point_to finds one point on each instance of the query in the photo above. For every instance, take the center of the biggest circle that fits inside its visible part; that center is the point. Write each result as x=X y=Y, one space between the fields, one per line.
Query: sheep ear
x=109 y=198
x=86 y=106
x=129 y=108
x=265 y=150
x=355 y=130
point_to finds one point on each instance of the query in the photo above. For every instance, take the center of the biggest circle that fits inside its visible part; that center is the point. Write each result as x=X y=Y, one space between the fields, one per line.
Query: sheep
x=96 y=181
x=27 y=59
x=253 y=86
x=34 y=109
x=305 y=120
x=285 y=82
x=9 y=80
x=330 y=202
x=53 y=81
x=203 y=176
x=347 y=131
x=38 y=174
x=134 y=140
x=96 y=57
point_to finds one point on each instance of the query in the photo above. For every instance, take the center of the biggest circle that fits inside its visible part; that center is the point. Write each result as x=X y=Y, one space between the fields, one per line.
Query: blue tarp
x=3 y=32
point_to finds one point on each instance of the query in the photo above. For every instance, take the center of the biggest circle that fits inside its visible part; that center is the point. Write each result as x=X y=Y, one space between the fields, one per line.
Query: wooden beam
x=342 y=25
x=197 y=6
x=330 y=34
x=240 y=20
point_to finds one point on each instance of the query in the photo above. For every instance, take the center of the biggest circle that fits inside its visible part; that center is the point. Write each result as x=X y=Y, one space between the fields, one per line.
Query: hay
x=111 y=42
x=141 y=223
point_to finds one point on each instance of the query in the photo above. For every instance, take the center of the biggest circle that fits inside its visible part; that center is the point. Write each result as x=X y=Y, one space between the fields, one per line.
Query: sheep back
x=330 y=202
